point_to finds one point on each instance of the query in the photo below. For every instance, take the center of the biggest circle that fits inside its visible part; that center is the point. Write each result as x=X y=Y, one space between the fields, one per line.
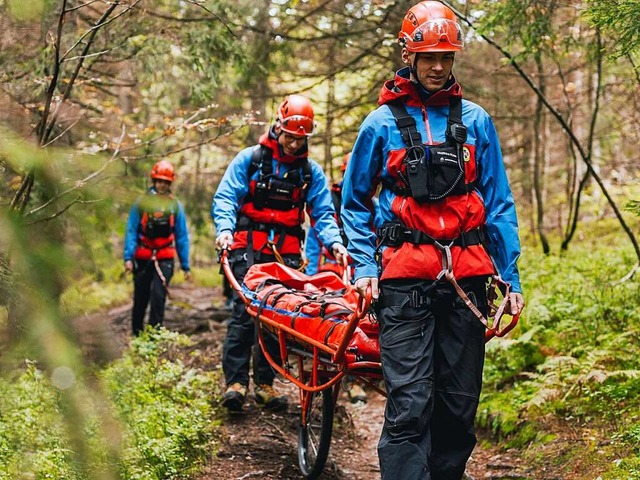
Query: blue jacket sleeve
x=233 y=187
x=501 y=221
x=312 y=251
x=320 y=208
x=377 y=217
x=131 y=232
x=357 y=191
x=182 y=238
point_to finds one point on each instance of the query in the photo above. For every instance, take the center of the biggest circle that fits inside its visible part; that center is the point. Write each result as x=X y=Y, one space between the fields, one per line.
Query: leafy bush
x=66 y=433
x=570 y=357
x=36 y=438
x=165 y=407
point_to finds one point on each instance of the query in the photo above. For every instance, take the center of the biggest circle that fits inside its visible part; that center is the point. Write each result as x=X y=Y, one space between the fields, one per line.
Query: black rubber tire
x=314 y=438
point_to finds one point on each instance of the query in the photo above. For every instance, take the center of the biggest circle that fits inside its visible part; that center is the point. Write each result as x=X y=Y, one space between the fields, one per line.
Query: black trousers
x=241 y=341
x=432 y=349
x=148 y=289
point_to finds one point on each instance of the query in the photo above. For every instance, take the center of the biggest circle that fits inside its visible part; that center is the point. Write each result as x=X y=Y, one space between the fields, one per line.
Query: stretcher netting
x=316 y=307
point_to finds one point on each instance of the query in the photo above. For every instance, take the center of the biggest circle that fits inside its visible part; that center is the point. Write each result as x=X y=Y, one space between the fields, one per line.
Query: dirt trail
x=262 y=445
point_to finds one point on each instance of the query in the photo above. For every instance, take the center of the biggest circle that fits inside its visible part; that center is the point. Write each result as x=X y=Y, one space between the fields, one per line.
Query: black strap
x=261 y=160
x=406 y=191
x=395 y=234
x=456 y=130
x=414 y=298
x=406 y=124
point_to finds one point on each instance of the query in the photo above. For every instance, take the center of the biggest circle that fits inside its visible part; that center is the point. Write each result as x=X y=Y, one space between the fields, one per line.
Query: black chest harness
x=433 y=172
x=279 y=193
x=272 y=192
x=157 y=223
x=436 y=171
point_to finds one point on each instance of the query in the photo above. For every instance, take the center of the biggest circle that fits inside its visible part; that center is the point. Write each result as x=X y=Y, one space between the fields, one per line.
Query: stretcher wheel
x=314 y=435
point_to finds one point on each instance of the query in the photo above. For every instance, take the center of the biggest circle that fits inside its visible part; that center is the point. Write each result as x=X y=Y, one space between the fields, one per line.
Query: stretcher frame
x=317 y=369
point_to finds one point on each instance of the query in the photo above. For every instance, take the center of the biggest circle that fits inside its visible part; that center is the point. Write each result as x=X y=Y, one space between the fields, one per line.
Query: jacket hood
x=411 y=93
x=270 y=140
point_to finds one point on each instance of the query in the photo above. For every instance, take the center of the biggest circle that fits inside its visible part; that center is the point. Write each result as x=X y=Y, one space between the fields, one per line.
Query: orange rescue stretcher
x=325 y=331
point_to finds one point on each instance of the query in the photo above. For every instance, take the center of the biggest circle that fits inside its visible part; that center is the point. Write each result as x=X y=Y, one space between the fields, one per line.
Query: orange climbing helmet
x=163 y=170
x=345 y=162
x=295 y=115
x=430 y=26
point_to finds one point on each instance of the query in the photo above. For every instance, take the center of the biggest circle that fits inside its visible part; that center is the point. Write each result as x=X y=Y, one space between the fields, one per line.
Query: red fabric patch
x=318 y=307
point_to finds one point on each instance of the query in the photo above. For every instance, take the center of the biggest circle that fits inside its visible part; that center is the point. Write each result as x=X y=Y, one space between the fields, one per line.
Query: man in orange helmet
x=258 y=210
x=449 y=224
x=156 y=230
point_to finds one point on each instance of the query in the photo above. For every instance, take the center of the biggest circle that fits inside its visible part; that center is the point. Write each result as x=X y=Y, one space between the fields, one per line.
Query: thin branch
x=81 y=183
x=96 y=54
x=215 y=15
x=636 y=69
x=182 y=149
x=60 y=212
x=628 y=276
x=82 y=5
x=61 y=134
x=583 y=154
x=104 y=20
x=54 y=78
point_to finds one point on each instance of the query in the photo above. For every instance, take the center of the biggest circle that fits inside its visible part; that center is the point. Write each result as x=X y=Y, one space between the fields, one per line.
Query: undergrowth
x=573 y=357
x=148 y=417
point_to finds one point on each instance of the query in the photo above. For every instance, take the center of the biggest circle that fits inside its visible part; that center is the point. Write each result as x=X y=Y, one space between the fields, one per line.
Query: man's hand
x=187 y=275
x=340 y=253
x=362 y=284
x=516 y=303
x=224 y=240
x=128 y=266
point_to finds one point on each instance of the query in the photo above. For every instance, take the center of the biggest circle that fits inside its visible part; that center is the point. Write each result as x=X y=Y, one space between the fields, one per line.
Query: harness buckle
x=417 y=299
x=391 y=234
x=447 y=259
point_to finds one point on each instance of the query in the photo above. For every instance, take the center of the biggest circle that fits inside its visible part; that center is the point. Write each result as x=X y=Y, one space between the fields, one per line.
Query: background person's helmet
x=295 y=115
x=345 y=162
x=163 y=170
x=430 y=26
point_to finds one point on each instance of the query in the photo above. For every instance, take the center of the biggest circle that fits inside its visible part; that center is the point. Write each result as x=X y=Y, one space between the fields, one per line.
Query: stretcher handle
x=228 y=272
x=364 y=303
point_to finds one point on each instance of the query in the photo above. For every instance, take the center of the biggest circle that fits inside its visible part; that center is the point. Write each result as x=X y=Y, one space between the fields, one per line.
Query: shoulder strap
x=261 y=160
x=456 y=130
x=406 y=123
x=306 y=171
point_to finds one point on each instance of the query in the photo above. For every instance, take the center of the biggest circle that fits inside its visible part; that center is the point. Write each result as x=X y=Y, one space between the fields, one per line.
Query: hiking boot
x=357 y=394
x=269 y=398
x=233 y=398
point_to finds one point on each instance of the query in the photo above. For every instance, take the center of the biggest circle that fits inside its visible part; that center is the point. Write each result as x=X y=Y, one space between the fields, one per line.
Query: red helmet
x=163 y=170
x=345 y=162
x=295 y=115
x=430 y=26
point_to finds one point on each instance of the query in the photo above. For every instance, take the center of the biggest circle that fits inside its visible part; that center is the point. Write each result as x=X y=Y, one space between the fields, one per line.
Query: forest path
x=263 y=445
